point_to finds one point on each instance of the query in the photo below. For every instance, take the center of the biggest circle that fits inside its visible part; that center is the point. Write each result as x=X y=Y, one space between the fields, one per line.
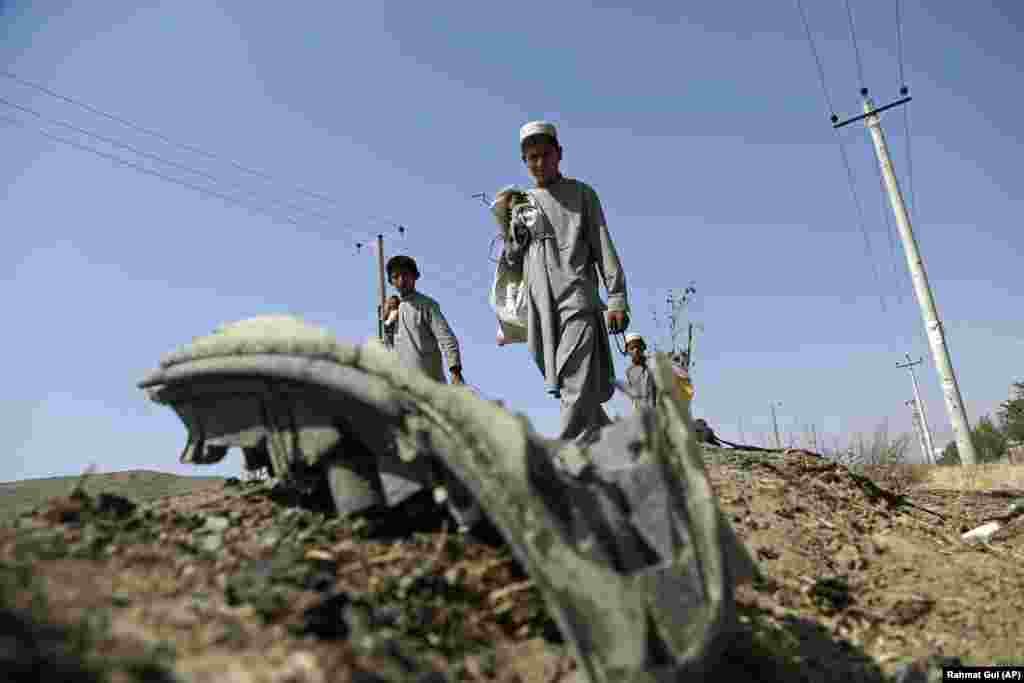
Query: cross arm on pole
x=871 y=113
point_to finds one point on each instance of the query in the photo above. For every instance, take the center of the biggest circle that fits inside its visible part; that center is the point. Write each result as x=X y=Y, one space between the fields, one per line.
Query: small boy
x=638 y=377
x=421 y=331
x=421 y=335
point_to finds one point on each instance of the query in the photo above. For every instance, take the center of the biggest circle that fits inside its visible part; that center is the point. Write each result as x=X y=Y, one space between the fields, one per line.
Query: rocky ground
x=239 y=584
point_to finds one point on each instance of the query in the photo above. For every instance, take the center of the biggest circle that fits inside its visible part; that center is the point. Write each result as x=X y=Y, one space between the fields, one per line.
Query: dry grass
x=140 y=485
x=898 y=477
x=970 y=480
x=964 y=480
x=987 y=477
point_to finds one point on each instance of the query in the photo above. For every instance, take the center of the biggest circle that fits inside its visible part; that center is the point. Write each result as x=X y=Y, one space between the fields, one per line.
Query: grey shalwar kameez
x=640 y=384
x=422 y=334
x=566 y=330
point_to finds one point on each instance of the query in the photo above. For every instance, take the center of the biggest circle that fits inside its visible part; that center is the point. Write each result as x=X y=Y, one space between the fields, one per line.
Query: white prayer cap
x=632 y=337
x=537 y=128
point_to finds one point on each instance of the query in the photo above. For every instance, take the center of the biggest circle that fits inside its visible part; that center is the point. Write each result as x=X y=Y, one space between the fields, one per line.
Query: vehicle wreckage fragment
x=623 y=537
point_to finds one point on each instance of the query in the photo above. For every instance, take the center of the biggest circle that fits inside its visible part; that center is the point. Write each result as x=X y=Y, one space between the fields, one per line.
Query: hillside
x=139 y=485
x=230 y=582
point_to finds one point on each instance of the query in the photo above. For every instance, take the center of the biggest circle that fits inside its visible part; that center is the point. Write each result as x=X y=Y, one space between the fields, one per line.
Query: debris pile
x=856 y=586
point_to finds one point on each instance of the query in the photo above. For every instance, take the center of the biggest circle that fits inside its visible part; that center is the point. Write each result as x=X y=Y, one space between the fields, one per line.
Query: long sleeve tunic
x=569 y=249
x=641 y=386
x=422 y=335
x=582 y=241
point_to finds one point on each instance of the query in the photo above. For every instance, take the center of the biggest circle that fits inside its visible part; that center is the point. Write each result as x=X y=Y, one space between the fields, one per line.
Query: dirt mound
x=237 y=583
x=140 y=485
x=888 y=575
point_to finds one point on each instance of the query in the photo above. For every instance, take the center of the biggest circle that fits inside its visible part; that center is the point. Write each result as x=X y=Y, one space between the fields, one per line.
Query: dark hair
x=537 y=139
x=401 y=262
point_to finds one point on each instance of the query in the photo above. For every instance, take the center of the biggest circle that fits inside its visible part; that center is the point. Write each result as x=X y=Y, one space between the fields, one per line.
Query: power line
x=842 y=149
x=911 y=198
x=911 y=201
x=889 y=233
x=817 y=60
x=910 y=167
x=901 y=76
x=150 y=132
x=142 y=169
x=856 y=48
x=899 y=45
x=155 y=157
x=181 y=145
x=860 y=222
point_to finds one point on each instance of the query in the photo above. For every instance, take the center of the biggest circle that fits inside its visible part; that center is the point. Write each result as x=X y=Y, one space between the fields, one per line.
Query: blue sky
x=701 y=125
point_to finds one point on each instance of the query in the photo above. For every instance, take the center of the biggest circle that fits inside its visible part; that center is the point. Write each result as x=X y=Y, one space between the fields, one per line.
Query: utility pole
x=383 y=293
x=689 y=345
x=926 y=432
x=915 y=418
x=933 y=327
x=775 y=422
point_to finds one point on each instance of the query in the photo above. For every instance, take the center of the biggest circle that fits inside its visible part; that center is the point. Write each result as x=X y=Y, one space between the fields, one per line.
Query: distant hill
x=139 y=485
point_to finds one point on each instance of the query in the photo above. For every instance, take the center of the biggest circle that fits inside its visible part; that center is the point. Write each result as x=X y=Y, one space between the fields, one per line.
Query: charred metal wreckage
x=623 y=537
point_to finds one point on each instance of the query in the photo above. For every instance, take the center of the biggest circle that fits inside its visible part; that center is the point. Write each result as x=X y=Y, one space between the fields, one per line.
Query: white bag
x=509 y=289
x=508 y=299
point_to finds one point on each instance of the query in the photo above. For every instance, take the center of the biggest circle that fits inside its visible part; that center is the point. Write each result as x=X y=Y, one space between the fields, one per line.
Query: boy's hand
x=456 y=374
x=618 y=321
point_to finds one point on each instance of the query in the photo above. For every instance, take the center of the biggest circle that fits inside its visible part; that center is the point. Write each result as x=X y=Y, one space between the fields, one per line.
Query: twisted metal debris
x=623 y=538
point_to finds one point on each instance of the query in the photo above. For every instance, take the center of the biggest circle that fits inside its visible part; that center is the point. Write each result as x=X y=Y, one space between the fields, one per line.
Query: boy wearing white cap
x=639 y=381
x=568 y=246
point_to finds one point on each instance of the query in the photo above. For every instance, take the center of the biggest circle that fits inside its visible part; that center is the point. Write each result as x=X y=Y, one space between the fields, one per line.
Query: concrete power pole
x=775 y=423
x=382 y=292
x=689 y=345
x=920 y=415
x=915 y=418
x=933 y=327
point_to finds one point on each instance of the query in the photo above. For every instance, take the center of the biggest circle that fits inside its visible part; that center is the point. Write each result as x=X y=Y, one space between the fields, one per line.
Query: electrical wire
x=856 y=48
x=181 y=145
x=153 y=133
x=842 y=148
x=889 y=229
x=901 y=75
x=817 y=60
x=912 y=197
x=860 y=222
x=899 y=45
x=155 y=157
x=142 y=169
